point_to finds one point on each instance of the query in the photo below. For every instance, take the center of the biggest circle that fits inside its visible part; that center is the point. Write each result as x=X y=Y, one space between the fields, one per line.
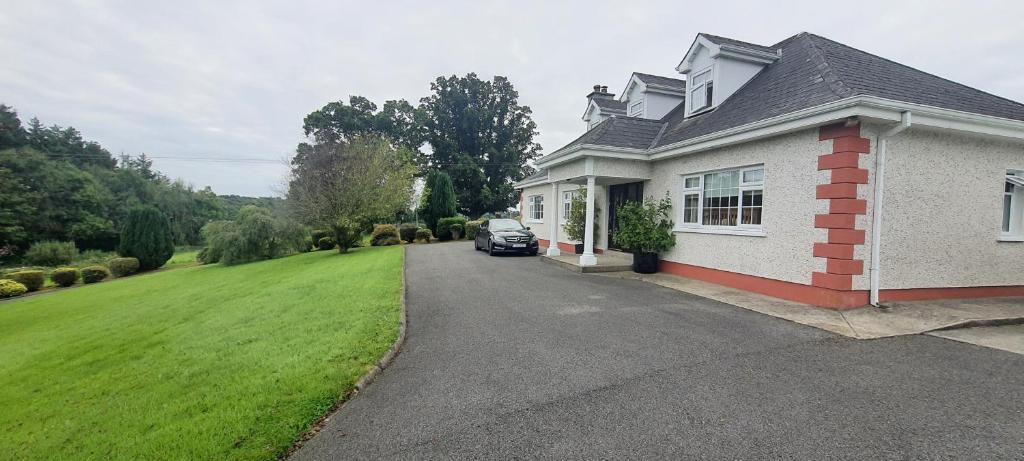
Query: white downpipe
x=876 y=221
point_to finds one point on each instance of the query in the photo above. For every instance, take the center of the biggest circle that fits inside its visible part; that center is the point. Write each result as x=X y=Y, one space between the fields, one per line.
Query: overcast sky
x=182 y=81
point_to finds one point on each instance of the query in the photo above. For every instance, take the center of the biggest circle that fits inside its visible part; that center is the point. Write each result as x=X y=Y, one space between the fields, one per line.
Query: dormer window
x=636 y=109
x=701 y=91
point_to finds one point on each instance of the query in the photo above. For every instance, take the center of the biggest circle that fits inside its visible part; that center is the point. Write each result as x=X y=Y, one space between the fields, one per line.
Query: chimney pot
x=604 y=89
x=597 y=88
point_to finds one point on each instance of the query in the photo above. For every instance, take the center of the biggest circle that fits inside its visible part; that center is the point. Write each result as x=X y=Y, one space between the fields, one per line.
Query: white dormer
x=601 y=105
x=651 y=96
x=716 y=67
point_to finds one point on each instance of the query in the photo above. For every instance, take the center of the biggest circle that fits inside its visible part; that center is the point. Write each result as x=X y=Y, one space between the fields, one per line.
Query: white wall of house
x=784 y=252
x=659 y=104
x=943 y=211
x=542 y=228
x=728 y=74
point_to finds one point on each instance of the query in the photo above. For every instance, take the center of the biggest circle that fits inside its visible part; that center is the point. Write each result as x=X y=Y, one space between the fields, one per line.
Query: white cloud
x=235 y=79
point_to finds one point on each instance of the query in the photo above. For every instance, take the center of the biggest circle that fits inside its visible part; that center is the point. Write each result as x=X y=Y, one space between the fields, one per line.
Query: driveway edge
x=367 y=378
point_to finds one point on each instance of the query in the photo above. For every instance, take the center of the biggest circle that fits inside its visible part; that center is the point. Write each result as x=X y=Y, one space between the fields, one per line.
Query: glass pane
x=690 y=202
x=753 y=176
x=1007 y=207
x=691 y=183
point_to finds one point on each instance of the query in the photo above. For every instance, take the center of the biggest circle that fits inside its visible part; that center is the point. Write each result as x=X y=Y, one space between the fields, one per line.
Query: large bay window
x=728 y=201
x=535 y=210
x=701 y=88
x=1013 y=207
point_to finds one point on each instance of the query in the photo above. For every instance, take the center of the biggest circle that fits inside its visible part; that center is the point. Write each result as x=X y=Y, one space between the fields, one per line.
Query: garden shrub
x=384 y=235
x=456 y=230
x=255 y=234
x=317 y=234
x=423 y=235
x=64 y=276
x=121 y=267
x=147 y=236
x=325 y=243
x=347 y=234
x=203 y=256
x=10 y=288
x=444 y=226
x=32 y=279
x=94 y=257
x=51 y=253
x=408 y=232
x=472 y=227
x=93 y=274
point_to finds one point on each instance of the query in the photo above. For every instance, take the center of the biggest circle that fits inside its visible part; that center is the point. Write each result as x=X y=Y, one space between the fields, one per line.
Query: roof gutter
x=876 y=206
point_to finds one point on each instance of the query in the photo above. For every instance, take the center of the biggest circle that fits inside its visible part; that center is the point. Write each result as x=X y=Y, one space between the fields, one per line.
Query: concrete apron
x=901 y=318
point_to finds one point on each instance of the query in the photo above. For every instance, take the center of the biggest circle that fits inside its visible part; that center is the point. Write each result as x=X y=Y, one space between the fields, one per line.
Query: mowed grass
x=207 y=362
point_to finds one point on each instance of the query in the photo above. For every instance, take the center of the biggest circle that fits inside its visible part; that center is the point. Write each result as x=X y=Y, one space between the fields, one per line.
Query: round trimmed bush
x=325 y=243
x=147 y=237
x=32 y=279
x=444 y=226
x=10 y=288
x=384 y=235
x=121 y=267
x=65 y=276
x=51 y=253
x=408 y=232
x=93 y=274
x=423 y=235
x=472 y=227
x=456 y=230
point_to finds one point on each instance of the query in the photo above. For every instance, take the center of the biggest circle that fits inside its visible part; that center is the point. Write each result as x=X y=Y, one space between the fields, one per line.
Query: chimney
x=604 y=89
x=600 y=91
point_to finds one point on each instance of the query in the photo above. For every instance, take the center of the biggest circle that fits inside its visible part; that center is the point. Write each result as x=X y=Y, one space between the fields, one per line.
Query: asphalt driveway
x=508 y=357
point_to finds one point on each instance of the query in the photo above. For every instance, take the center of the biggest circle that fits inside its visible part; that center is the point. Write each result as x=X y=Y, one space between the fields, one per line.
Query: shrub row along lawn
x=208 y=362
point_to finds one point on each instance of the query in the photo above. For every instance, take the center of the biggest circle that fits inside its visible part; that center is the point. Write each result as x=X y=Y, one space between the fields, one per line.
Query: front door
x=618 y=195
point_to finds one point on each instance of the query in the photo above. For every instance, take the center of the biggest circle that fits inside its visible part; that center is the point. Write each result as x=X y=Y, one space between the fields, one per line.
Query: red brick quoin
x=843 y=164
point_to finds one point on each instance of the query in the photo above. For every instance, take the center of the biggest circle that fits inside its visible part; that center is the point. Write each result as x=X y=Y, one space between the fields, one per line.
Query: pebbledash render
x=783 y=162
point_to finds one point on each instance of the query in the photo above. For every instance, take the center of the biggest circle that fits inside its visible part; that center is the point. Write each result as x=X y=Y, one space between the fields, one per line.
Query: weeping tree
x=147 y=237
x=438 y=199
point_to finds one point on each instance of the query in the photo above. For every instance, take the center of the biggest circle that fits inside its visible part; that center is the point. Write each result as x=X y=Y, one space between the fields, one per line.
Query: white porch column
x=553 y=220
x=588 y=258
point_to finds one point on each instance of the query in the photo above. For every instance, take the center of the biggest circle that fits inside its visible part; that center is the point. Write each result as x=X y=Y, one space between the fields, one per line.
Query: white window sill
x=534 y=221
x=720 y=231
x=1010 y=238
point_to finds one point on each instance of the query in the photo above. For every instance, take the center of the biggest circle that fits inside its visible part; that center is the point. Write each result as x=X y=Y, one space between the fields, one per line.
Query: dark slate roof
x=662 y=81
x=811 y=71
x=610 y=104
x=619 y=131
x=729 y=41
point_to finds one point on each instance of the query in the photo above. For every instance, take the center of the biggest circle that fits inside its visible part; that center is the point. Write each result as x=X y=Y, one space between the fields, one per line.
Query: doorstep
x=900 y=318
x=608 y=261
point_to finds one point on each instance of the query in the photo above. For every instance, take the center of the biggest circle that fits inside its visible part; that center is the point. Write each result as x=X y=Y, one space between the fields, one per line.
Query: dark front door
x=617 y=195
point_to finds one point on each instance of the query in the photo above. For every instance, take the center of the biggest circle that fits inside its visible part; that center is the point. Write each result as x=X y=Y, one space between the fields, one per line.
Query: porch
x=609 y=261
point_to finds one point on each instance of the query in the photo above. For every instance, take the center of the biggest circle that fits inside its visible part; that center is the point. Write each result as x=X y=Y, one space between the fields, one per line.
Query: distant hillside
x=232 y=203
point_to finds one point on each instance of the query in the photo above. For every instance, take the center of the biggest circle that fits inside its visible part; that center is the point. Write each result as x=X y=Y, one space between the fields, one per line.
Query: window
x=536 y=207
x=701 y=91
x=636 y=109
x=1013 y=206
x=567 y=197
x=728 y=199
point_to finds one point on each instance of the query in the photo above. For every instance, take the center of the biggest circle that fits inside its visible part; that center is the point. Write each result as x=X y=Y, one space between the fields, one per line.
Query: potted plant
x=576 y=222
x=645 y=230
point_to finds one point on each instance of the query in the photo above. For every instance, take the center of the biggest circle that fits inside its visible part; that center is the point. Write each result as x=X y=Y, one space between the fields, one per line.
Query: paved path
x=508 y=357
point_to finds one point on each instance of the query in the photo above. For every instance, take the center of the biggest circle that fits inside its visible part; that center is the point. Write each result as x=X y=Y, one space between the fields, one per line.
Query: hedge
x=32 y=279
x=51 y=253
x=423 y=235
x=444 y=226
x=384 y=235
x=408 y=232
x=121 y=267
x=10 y=288
x=93 y=274
x=64 y=276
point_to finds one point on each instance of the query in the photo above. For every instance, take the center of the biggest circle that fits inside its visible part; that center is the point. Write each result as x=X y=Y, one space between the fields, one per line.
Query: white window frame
x=535 y=215
x=636 y=109
x=567 y=197
x=754 y=230
x=702 y=87
x=1016 y=221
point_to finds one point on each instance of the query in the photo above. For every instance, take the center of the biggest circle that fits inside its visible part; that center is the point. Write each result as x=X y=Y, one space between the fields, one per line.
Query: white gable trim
x=729 y=51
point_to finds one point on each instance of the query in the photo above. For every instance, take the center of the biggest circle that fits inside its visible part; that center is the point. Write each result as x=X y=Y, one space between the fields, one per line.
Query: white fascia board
x=684 y=65
x=633 y=80
x=745 y=54
x=665 y=90
x=870 y=107
x=536 y=182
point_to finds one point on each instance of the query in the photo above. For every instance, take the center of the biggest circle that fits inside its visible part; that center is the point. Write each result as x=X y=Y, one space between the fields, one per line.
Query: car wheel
x=475 y=245
x=490 y=248
x=533 y=252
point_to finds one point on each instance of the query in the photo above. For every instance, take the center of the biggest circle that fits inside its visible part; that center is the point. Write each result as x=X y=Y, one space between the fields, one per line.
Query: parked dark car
x=505 y=236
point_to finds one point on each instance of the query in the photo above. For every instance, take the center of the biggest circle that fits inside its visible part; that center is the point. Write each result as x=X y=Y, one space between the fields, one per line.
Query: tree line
x=361 y=162
x=55 y=185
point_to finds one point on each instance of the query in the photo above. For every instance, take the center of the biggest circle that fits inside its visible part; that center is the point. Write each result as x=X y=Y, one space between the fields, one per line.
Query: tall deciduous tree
x=363 y=178
x=482 y=137
x=147 y=237
x=438 y=199
x=398 y=122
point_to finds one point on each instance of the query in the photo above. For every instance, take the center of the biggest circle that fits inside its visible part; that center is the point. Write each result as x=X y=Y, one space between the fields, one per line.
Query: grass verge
x=206 y=362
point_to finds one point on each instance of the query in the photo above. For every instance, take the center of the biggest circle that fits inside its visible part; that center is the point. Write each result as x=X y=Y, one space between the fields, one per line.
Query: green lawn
x=207 y=362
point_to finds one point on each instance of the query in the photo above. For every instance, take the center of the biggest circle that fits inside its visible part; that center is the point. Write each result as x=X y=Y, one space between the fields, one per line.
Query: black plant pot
x=579 y=248
x=645 y=263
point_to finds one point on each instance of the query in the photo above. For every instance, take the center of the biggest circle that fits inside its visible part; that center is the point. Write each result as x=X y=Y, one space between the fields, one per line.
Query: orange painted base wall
x=566 y=247
x=824 y=297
